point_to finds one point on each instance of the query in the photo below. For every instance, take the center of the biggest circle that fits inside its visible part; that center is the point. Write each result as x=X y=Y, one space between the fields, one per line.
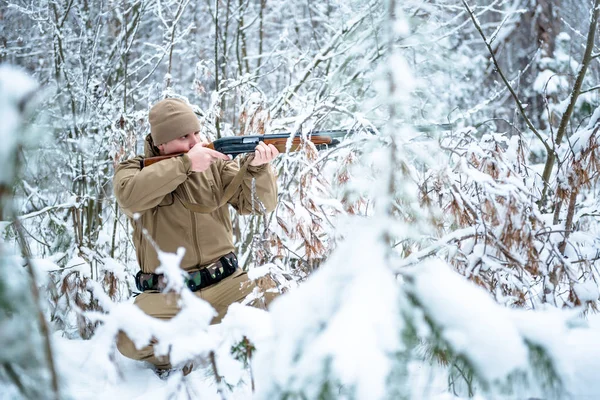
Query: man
x=180 y=202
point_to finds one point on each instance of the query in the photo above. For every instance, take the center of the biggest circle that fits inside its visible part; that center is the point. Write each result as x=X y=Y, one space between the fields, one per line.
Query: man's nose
x=193 y=140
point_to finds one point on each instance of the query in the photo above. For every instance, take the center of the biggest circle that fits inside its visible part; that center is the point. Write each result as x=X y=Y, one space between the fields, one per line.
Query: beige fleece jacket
x=153 y=198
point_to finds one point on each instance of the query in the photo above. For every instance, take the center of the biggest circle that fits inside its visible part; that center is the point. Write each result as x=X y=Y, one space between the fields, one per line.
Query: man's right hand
x=202 y=157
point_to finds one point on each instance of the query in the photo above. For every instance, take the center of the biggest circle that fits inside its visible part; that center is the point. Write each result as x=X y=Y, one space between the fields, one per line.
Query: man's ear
x=161 y=149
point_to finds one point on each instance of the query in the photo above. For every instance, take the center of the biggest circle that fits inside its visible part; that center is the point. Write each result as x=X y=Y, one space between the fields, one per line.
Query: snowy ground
x=88 y=376
x=348 y=336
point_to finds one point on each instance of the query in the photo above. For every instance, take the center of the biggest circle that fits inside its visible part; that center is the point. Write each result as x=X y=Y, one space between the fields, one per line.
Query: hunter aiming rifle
x=235 y=145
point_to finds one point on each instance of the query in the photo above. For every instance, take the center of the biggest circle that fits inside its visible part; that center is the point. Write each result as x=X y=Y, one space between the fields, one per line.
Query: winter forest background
x=447 y=248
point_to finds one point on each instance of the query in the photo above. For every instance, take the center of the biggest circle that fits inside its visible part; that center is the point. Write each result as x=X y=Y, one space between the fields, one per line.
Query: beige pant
x=164 y=306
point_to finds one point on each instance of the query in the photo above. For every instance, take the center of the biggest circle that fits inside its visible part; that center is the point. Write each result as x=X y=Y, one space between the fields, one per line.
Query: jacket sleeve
x=138 y=190
x=266 y=187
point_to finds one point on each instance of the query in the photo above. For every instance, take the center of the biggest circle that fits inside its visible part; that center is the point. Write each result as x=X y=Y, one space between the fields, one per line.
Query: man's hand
x=264 y=154
x=202 y=157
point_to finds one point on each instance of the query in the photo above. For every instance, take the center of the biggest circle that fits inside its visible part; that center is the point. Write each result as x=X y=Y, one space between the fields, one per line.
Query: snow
x=169 y=267
x=45 y=265
x=580 y=140
x=476 y=326
x=90 y=376
x=548 y=83
x=114 y=266
x=350 y=303
x=15 y=87
x=583 y=354
x=80 y=265
x=485 y=333
x=587 y=291
x=258 y=272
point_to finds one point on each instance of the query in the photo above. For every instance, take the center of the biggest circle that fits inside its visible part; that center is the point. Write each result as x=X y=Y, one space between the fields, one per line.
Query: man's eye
x=184 y=137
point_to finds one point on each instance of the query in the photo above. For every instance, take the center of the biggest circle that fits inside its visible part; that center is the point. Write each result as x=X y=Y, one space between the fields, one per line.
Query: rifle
x=236 y=145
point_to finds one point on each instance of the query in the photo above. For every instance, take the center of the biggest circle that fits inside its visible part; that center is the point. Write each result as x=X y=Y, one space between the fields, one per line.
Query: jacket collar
x=150 y=150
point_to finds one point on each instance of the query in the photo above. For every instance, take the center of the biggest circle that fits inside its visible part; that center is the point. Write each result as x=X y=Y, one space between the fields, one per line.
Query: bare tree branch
x=562 y=128
x=323 y=54
x=506 y=82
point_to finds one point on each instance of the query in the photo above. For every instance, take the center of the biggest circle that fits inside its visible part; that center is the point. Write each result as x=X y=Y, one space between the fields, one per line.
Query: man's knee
x=126 y=346
x=267 y=289
x=269 y=296
x=146 y=353
x=156 y=305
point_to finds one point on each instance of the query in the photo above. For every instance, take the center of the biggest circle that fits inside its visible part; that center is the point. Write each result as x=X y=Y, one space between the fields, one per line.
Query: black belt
x=197 y=279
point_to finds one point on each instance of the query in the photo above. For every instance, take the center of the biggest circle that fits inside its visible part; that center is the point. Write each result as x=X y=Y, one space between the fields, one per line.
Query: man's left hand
x=264 y=154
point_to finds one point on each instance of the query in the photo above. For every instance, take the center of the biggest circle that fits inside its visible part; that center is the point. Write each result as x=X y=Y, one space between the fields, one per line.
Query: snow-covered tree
x=27 y=367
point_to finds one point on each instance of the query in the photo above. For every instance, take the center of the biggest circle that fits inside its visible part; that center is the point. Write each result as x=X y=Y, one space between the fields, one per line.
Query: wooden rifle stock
x=235 y=145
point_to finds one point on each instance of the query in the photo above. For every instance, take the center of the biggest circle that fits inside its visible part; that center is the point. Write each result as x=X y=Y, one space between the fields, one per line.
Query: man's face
x=182 y=144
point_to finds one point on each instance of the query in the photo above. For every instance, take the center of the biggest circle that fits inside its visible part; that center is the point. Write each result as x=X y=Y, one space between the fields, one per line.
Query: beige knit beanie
x=171 y=119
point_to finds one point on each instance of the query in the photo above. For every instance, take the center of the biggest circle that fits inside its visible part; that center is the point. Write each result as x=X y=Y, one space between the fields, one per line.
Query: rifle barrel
x=236 y=145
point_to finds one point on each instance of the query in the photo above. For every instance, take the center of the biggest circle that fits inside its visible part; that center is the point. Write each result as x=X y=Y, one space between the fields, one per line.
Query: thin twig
x=182 y=6
x=433 y=249
x=322 y=56
x=569 y=221
x=213 y=363
x=248 y=347
x=590 y=89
